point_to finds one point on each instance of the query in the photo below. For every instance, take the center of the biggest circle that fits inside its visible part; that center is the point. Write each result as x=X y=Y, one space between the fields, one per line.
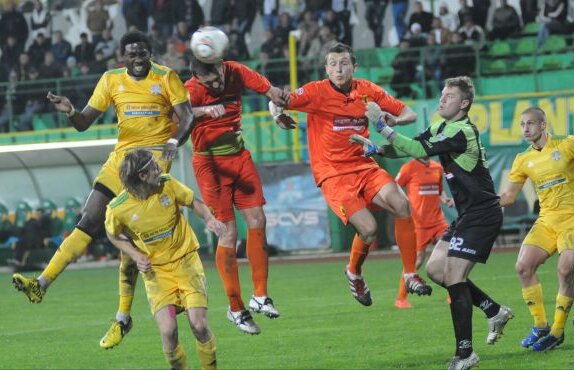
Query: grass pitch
x=321 y=327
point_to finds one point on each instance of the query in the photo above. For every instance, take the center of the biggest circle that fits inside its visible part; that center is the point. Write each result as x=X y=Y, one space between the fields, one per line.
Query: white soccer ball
x=208 y=44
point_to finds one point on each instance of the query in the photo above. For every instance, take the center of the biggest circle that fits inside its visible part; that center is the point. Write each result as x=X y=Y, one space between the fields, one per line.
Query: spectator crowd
x=34 y=48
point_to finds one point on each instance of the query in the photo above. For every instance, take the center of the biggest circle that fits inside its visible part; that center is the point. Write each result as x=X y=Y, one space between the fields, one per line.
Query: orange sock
x=257 y=256
x=402 y=294
x=226 y=261
x=359 y=252
x=406 y=240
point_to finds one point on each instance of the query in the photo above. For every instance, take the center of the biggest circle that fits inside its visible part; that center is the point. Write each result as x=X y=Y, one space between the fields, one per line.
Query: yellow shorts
x=109 y=175
x=552 y=233
x=180 y=283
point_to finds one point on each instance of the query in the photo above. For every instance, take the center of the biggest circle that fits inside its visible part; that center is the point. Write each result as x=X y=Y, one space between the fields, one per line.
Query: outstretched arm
x=186 y=121
x=80 y=120
x=509 y=195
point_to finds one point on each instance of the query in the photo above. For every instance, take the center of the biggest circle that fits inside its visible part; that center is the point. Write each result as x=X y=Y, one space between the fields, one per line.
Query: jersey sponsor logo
x=158 y=237
x=157 y=234
x=556 y=155
x=551 y=183
x=142 y=110
x=350 y=123
x=428 y=189
x=449 y=175
x=164 y=200
x=299 y=91
x=437 y=138
x=155 y=89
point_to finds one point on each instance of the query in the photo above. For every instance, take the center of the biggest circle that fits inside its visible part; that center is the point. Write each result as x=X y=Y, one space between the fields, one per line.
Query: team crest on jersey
x=121 y=88
x=155 y=89
x=164 y=200
x=299 y=91
x=135 y=217
x=556 y=155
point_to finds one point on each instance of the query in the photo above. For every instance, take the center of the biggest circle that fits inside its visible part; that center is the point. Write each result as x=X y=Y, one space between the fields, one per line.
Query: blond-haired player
x=144 y=95
x=548 y=163
x=165 y=251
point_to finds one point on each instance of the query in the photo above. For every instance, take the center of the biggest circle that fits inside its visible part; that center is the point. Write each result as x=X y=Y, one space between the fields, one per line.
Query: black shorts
x=472 y=235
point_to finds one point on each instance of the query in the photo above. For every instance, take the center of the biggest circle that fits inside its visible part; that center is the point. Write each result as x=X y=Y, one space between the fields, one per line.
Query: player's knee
x=168 y=337
x=565 y=272
x=403 y=207
x=524 y=270
x=434 y=272
x=199 y=327
x=256 y=221
x=367 y=231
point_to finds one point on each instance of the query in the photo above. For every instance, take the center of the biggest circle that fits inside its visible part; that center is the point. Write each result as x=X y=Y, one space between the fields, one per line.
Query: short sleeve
x=388 y=103
x=517 y=174
x=177 y=93
x=567 y=147
x=101 y=98
x=183 y=194
x=113 y=224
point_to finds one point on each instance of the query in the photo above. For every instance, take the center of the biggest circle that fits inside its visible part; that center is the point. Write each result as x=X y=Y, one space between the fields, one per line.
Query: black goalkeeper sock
x=483 y=301
x=461 y=313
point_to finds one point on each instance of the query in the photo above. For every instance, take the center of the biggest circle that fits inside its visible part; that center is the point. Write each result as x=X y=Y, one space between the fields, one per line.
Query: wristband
x=72 y=112
x=173 y=141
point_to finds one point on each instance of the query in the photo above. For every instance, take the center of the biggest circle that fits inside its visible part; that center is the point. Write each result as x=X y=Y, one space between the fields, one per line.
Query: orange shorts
x=429 y=235
x=346 y=194
x=226 y=181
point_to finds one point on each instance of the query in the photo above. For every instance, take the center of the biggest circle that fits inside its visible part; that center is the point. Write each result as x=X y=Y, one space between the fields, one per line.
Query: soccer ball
x=208 y=44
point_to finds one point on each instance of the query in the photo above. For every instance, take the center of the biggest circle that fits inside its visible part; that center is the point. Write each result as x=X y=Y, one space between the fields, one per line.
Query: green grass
x=322 y=326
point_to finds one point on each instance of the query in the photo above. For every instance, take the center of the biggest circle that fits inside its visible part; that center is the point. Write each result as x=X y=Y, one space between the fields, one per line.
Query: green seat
x=363 y=72
x=525 y=46
x=499 y=49
x=554 y=44
x=44 y=122
x=382 y=74
x=23 y=213
x=549 y=63
x=531 y=29
x=71 y=211
x=51 y=210
x=385 y=56
x=523 y=65
x=495 y=67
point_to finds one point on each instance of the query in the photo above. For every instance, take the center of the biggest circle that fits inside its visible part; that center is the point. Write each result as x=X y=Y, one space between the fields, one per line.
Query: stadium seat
x=363 y=72
x=549 y=63
x=554 y=44
x=23 y=213
x=530 y=29
x=51 y=211
x=495 y=67
x=71 y=211
x=526 y=46
x=381 y=75
x=44 y=122
x=523 y=65
x=385 y=56
x=499 y=49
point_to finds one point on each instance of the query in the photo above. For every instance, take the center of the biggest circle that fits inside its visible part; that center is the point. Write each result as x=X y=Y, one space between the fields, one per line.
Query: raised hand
x=61 y=103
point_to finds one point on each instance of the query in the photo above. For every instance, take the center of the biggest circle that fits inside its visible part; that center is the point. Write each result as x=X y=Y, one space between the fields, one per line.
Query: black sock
x=461 y=313
x=482 y=301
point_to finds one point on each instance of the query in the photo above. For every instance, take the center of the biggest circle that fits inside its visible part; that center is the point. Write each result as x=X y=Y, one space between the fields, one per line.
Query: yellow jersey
x=156 y=225
x=143 y=106
x=552 y=172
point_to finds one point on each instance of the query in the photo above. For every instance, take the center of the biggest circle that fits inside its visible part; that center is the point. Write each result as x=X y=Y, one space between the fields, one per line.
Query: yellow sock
x=128 y=278
x=535 y=302
x=206 y=353
x=177 y=358
x=563 y=305
x=71 y=248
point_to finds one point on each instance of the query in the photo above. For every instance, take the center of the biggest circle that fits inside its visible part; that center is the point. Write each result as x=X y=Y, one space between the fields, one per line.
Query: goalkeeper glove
x=375 y=114
x=369 y=149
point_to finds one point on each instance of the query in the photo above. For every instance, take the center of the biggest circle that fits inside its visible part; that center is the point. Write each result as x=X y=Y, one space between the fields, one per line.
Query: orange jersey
x=424 y=186
x=237 y=77
x=332 y=117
